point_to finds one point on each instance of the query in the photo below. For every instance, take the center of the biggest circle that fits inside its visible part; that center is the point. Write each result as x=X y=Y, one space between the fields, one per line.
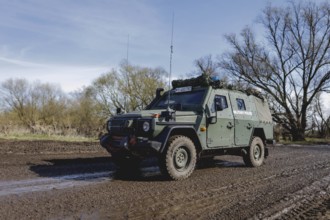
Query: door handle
x=230 y=125
x=249 y=126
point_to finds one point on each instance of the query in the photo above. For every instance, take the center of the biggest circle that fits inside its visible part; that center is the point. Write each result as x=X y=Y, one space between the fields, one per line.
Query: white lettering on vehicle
x=236 y=112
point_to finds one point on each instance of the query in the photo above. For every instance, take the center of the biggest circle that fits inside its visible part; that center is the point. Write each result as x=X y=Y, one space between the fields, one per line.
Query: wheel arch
x=258 y=132
x=187 y=131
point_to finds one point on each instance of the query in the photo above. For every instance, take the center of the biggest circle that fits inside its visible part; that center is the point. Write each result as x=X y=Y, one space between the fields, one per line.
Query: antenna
x=127 y=49
x=170 y=73
x=127 y=63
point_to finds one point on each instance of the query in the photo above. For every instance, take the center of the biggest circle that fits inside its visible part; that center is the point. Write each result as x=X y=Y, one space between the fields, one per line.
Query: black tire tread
x=166 y=164
x=248 y=159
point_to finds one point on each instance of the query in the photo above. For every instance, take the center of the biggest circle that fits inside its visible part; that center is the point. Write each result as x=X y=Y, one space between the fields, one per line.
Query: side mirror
x=168 y=115
x=118 y=111
x=211 y=114
x=158 y=92
x=212 y=120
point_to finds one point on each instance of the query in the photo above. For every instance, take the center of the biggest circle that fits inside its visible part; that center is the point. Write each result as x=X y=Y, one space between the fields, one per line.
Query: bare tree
x=206 y=65
x=293 y=65
x=320 y=120
x=106 y=93
x=131 y=88
x=36 y=105
x=84 y=115
x=14 y=94
x=44 y=108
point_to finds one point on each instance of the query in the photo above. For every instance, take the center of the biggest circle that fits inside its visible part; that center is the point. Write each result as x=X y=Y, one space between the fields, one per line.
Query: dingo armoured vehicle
x=198 y=118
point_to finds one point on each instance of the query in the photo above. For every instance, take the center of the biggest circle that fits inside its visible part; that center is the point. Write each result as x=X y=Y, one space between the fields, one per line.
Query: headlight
x=146 y=126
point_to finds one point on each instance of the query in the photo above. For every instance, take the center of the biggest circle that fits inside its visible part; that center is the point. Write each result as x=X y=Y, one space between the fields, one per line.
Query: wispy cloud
x=69 y=77
x=92 y=25
x=72 y=43
x=20 y=62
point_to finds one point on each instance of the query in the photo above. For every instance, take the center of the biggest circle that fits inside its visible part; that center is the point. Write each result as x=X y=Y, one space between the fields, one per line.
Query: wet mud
x=58 y=180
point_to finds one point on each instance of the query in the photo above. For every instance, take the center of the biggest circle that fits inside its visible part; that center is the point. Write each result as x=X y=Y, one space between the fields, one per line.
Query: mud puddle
x=46 y=184
x=66 y=181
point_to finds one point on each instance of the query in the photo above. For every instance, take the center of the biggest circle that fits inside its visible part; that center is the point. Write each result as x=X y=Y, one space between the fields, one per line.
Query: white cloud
x=91 y=24
x=20 y=62
x=68 y=43
x=69 y=77
x=72 y=42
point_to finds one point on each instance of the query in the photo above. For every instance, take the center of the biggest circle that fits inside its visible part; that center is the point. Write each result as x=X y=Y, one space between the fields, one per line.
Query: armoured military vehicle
x=198 y=118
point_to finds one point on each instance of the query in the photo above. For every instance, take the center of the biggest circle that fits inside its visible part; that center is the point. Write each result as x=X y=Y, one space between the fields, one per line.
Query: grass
x=35 y=137
x=308 y=141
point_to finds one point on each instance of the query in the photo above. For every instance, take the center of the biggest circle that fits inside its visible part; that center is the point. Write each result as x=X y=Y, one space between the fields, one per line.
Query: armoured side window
x=240 y=104
x=220 y=102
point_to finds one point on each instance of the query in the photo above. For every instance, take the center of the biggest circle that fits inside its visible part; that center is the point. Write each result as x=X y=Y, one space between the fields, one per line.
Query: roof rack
x=202 y=80
x=206 y=80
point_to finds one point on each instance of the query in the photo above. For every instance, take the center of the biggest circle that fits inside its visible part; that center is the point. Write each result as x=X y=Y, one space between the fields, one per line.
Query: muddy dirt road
x=49 y=180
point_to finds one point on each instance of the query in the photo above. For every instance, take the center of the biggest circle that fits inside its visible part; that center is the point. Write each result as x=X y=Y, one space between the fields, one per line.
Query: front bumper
x=130 y=145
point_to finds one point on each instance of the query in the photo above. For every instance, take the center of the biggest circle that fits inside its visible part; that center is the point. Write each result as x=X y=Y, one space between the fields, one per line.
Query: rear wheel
x=179 y=159
x=256 y=153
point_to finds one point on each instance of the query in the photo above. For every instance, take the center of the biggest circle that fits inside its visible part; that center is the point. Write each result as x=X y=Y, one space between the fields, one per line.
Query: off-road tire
x=179 y=159
x=255 y=153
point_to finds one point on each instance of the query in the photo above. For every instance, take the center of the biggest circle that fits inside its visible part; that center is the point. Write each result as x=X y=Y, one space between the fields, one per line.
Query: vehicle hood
x=150 y=113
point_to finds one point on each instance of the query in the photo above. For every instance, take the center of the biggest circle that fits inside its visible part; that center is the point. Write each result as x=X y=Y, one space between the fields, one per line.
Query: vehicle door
x=220 y=132
x=243 y=116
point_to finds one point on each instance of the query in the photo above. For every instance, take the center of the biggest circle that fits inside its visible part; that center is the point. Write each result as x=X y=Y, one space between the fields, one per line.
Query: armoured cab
x=236 y=118
x=198 y=118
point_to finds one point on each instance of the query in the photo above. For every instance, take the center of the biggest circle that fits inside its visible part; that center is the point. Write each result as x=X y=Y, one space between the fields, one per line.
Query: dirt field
x=58 y=180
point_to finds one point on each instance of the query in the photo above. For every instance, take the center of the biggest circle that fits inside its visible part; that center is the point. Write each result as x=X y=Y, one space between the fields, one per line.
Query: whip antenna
x=170 y=73
x=127 y=49
x=127 y=67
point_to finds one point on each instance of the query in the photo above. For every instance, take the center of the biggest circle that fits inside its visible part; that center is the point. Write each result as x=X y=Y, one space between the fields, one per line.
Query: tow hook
x=132 y=140
x=124 y=143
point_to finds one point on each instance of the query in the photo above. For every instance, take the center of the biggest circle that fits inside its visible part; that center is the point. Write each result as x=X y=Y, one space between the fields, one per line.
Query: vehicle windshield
x=182 y=101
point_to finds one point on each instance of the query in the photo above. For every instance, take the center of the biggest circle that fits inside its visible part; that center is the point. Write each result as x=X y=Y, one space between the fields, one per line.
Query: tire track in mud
x=291 y=184
x=221 y=202
x=270 y=190
x=312 y=202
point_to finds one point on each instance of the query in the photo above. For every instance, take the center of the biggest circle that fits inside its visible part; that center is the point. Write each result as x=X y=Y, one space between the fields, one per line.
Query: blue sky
x=72 y=42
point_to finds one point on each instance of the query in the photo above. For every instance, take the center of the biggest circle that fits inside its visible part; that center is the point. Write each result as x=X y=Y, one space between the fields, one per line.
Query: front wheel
x=256 y=153
x=179 y=159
